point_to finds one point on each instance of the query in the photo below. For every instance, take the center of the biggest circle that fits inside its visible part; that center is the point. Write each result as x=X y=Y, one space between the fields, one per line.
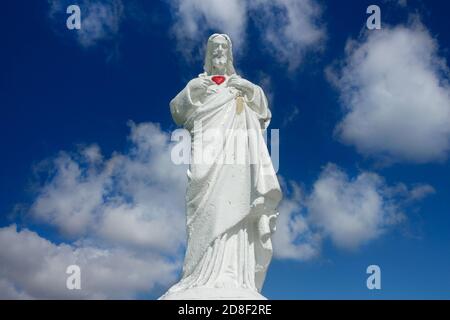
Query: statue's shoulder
x=205 y=75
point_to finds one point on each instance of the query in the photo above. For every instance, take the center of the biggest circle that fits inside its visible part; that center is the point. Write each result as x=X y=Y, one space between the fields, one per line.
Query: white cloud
x=100 y=19
x=288 y=27
x=9 y=291
x=420 y=192
x=396 y=96
x=142 y=191
x=294 y=238
x=350 y=212
x=123 y=218
x=33 y=267
x=193 y=18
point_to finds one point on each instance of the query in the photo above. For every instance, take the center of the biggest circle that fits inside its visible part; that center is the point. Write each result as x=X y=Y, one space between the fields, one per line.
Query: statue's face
x=219 y=53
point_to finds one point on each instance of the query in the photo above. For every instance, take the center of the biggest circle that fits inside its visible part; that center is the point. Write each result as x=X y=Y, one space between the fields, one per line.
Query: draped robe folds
x=227 y=200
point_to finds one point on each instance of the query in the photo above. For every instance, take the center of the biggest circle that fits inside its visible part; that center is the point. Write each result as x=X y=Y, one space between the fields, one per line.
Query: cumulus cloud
x=288 y=27
x=142 y=190
x=194 y=18
x=294 y=238
x=33 y=267
x=122 y=220
x=100 y=19
x=350 y=212
x=396 y=97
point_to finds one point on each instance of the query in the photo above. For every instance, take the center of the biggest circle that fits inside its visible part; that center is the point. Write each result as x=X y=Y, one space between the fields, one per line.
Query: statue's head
x=219 y=55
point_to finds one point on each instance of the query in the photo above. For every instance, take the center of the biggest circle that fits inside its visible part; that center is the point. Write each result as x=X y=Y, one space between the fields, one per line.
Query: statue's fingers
x=238 y=83
x=205 y=83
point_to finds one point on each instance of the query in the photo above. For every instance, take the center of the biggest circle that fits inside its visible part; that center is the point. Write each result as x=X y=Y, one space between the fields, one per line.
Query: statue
x=231 y=205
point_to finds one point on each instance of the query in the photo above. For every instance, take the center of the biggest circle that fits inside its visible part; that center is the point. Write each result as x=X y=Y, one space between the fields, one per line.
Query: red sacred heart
x=218 y=79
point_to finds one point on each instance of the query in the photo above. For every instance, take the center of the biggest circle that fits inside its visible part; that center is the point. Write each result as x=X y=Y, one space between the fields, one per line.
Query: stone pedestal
x=214 y=294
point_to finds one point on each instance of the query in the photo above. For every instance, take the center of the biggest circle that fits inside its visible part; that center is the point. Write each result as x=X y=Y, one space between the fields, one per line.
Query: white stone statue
x=231 y=205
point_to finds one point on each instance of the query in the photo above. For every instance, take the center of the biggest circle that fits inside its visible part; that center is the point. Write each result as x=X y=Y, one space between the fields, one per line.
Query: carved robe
x=231 y=206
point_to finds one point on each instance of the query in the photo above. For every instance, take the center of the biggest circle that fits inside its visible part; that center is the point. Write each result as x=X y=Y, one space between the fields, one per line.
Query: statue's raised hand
x=199 y=83
x=242 y=85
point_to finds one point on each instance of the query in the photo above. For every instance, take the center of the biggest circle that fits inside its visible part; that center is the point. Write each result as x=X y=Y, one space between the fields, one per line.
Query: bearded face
x=219 y=54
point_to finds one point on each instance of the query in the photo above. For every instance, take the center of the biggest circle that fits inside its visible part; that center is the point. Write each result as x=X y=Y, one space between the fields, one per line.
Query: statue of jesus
x=231 y=206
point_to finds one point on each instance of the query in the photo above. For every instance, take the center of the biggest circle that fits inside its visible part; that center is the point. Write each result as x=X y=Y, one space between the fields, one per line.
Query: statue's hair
x=208 y=57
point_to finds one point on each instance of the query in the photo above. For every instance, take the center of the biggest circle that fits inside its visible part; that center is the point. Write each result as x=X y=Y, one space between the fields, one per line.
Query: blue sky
x=364 y=119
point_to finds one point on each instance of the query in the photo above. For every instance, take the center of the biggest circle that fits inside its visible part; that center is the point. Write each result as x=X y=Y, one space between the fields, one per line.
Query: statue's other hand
x=199 y=83
x=241 y=84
